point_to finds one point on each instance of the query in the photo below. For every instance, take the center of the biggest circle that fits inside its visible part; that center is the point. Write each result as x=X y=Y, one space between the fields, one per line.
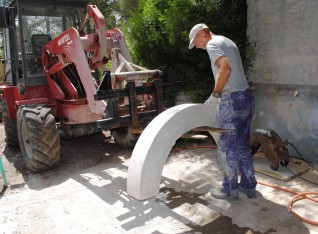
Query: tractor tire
x=124 y=138
x=10 y=127
x=0 y=114
x=38 y=137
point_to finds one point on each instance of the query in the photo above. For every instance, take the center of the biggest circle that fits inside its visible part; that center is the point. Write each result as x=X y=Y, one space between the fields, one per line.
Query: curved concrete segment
x=155 y=143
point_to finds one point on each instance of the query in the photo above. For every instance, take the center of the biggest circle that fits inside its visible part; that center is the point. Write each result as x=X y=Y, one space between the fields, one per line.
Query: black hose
x=296 y=175
x=310 y=164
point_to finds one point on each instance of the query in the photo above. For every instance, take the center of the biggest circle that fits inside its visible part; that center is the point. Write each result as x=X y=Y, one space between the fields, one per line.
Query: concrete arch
x=155 y=143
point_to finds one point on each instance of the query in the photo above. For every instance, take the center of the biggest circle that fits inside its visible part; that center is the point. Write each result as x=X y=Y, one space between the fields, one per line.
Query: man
x=235 y=107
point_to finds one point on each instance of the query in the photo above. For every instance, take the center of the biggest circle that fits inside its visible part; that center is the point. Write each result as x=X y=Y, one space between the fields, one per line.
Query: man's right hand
x=212 y=101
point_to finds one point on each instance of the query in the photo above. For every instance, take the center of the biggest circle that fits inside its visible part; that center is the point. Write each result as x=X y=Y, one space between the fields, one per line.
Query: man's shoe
x=220 y=194
x=250 y=193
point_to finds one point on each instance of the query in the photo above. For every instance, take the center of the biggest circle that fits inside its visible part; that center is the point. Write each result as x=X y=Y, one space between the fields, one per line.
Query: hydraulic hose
x=297 y=197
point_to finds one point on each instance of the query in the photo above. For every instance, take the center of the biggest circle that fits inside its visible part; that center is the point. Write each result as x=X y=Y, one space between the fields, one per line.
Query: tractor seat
x=38 y=41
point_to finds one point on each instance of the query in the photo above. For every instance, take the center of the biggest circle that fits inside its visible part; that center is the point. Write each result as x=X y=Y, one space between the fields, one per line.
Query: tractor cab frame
x=53 y=50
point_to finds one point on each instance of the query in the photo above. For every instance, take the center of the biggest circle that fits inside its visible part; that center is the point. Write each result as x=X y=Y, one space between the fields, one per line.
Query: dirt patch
x=76 y=154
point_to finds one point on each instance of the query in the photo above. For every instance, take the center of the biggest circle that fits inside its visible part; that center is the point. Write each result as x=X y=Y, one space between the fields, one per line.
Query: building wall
x=285 y=77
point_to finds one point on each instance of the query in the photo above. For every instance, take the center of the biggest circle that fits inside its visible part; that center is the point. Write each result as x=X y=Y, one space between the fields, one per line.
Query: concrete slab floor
x=87 y=194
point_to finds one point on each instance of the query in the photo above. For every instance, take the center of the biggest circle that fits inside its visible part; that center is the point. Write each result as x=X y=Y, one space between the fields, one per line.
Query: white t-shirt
x=222 y=46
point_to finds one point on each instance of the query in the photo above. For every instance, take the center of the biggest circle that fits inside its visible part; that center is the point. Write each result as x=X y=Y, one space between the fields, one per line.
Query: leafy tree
x=157 y=32
x=4 y=2
x=122 y=8
x=1 y=56
x=114 y=11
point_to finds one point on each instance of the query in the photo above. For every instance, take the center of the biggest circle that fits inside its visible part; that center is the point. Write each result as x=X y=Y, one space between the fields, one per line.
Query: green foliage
x=157 y=33
x=249 y=56
x=1 y=46
x=106 y=7
x=1 y=56
x=5 y=2
x=116 y=12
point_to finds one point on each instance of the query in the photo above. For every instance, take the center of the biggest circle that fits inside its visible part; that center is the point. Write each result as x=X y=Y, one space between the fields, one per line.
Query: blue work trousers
x=235 y=111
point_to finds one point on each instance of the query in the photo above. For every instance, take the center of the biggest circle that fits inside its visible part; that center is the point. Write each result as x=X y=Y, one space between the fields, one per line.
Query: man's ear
x=201 y=33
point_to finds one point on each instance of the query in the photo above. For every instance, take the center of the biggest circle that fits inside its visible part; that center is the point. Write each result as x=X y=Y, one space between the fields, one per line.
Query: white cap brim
x=191 y=45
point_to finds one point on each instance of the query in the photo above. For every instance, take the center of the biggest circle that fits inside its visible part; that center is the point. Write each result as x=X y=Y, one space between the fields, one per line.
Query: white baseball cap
x=194 y=31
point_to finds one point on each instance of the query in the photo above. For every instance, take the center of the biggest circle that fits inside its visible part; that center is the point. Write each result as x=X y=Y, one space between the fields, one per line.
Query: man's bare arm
x=224 y=67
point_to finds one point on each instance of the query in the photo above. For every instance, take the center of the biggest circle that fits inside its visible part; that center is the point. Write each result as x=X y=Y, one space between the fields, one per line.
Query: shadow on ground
x=101 y=166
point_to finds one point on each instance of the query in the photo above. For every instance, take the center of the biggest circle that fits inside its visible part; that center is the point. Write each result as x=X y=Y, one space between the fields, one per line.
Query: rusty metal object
x=273 y=147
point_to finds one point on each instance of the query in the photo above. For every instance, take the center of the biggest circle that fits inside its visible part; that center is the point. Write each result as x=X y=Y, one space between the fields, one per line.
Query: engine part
x=273 y=147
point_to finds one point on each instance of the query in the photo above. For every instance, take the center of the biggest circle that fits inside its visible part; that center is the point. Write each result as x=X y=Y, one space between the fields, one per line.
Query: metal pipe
x=3 y=68
x=135 y=75
x=137 y=67
x=126 y=63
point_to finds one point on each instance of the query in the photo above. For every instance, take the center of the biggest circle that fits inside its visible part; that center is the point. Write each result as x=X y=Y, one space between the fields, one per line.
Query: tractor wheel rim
x=26 y=141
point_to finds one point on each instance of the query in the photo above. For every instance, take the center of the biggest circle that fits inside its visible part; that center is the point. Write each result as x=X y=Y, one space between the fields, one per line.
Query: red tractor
x=54 y=51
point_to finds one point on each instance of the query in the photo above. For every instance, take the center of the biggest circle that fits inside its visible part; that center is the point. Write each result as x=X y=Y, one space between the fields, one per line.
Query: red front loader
x=54 y=53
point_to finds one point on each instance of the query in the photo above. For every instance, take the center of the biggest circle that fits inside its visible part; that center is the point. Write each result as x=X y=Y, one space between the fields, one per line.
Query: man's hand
x=212 y=101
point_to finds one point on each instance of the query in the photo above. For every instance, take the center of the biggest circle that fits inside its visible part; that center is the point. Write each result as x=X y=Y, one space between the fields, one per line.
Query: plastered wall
x=286 y=36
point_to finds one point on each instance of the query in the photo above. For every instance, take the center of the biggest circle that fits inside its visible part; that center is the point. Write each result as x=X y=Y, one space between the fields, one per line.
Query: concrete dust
x=87 y=193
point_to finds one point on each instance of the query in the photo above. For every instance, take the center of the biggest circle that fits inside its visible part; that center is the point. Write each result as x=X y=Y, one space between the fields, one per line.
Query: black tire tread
x=43 y=136
x=10 y=127
x=124 y=138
